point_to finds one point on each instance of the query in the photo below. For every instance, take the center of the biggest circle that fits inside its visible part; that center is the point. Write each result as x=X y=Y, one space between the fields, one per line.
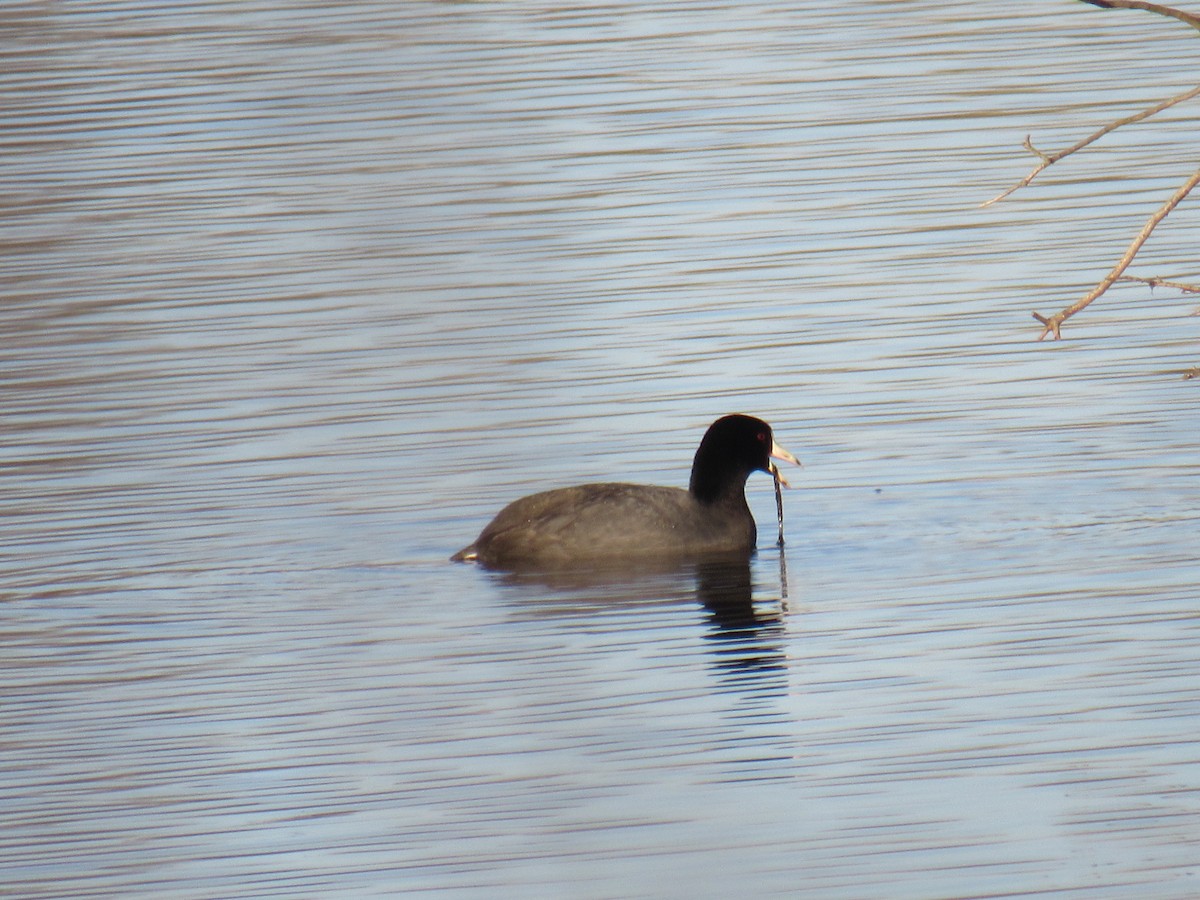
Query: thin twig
x=1053 y=324
x=1049 y=159
x=1162 y=282
x=1194 y=21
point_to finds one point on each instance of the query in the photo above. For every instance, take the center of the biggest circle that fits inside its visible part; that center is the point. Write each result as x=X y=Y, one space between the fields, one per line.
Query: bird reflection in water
x=745 y=637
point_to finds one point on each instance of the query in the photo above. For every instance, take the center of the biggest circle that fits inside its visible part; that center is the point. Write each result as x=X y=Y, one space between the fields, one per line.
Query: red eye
x=762 y=437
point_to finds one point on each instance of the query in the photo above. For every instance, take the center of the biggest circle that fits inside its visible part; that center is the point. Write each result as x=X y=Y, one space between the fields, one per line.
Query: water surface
x=297 y=296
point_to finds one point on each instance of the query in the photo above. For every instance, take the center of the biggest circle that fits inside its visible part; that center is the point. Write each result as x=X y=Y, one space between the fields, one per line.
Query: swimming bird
x=597 y=524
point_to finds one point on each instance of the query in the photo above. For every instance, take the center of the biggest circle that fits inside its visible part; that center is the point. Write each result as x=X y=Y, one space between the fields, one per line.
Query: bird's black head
x=732 y=448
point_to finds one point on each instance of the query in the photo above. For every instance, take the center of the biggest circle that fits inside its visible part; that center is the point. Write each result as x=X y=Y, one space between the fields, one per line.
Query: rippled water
x=296 y=296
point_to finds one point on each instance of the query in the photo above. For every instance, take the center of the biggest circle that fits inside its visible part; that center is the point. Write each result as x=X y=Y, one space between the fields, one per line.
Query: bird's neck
x=712 y=486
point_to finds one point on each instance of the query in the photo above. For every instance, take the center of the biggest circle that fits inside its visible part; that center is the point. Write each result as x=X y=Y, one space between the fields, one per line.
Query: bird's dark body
x=613 y=522
x=593 y=522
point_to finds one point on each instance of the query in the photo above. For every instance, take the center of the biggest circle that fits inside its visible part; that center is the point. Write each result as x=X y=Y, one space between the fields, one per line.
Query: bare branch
x=1194 y=21
x=1053 y=324
x=1162 y=282
x=1049 y=159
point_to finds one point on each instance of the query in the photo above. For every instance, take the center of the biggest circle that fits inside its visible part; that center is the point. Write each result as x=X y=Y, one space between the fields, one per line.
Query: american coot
x=604 y=523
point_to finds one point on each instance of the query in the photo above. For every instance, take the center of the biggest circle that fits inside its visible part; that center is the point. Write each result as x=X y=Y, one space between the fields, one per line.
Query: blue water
x=296 y=297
